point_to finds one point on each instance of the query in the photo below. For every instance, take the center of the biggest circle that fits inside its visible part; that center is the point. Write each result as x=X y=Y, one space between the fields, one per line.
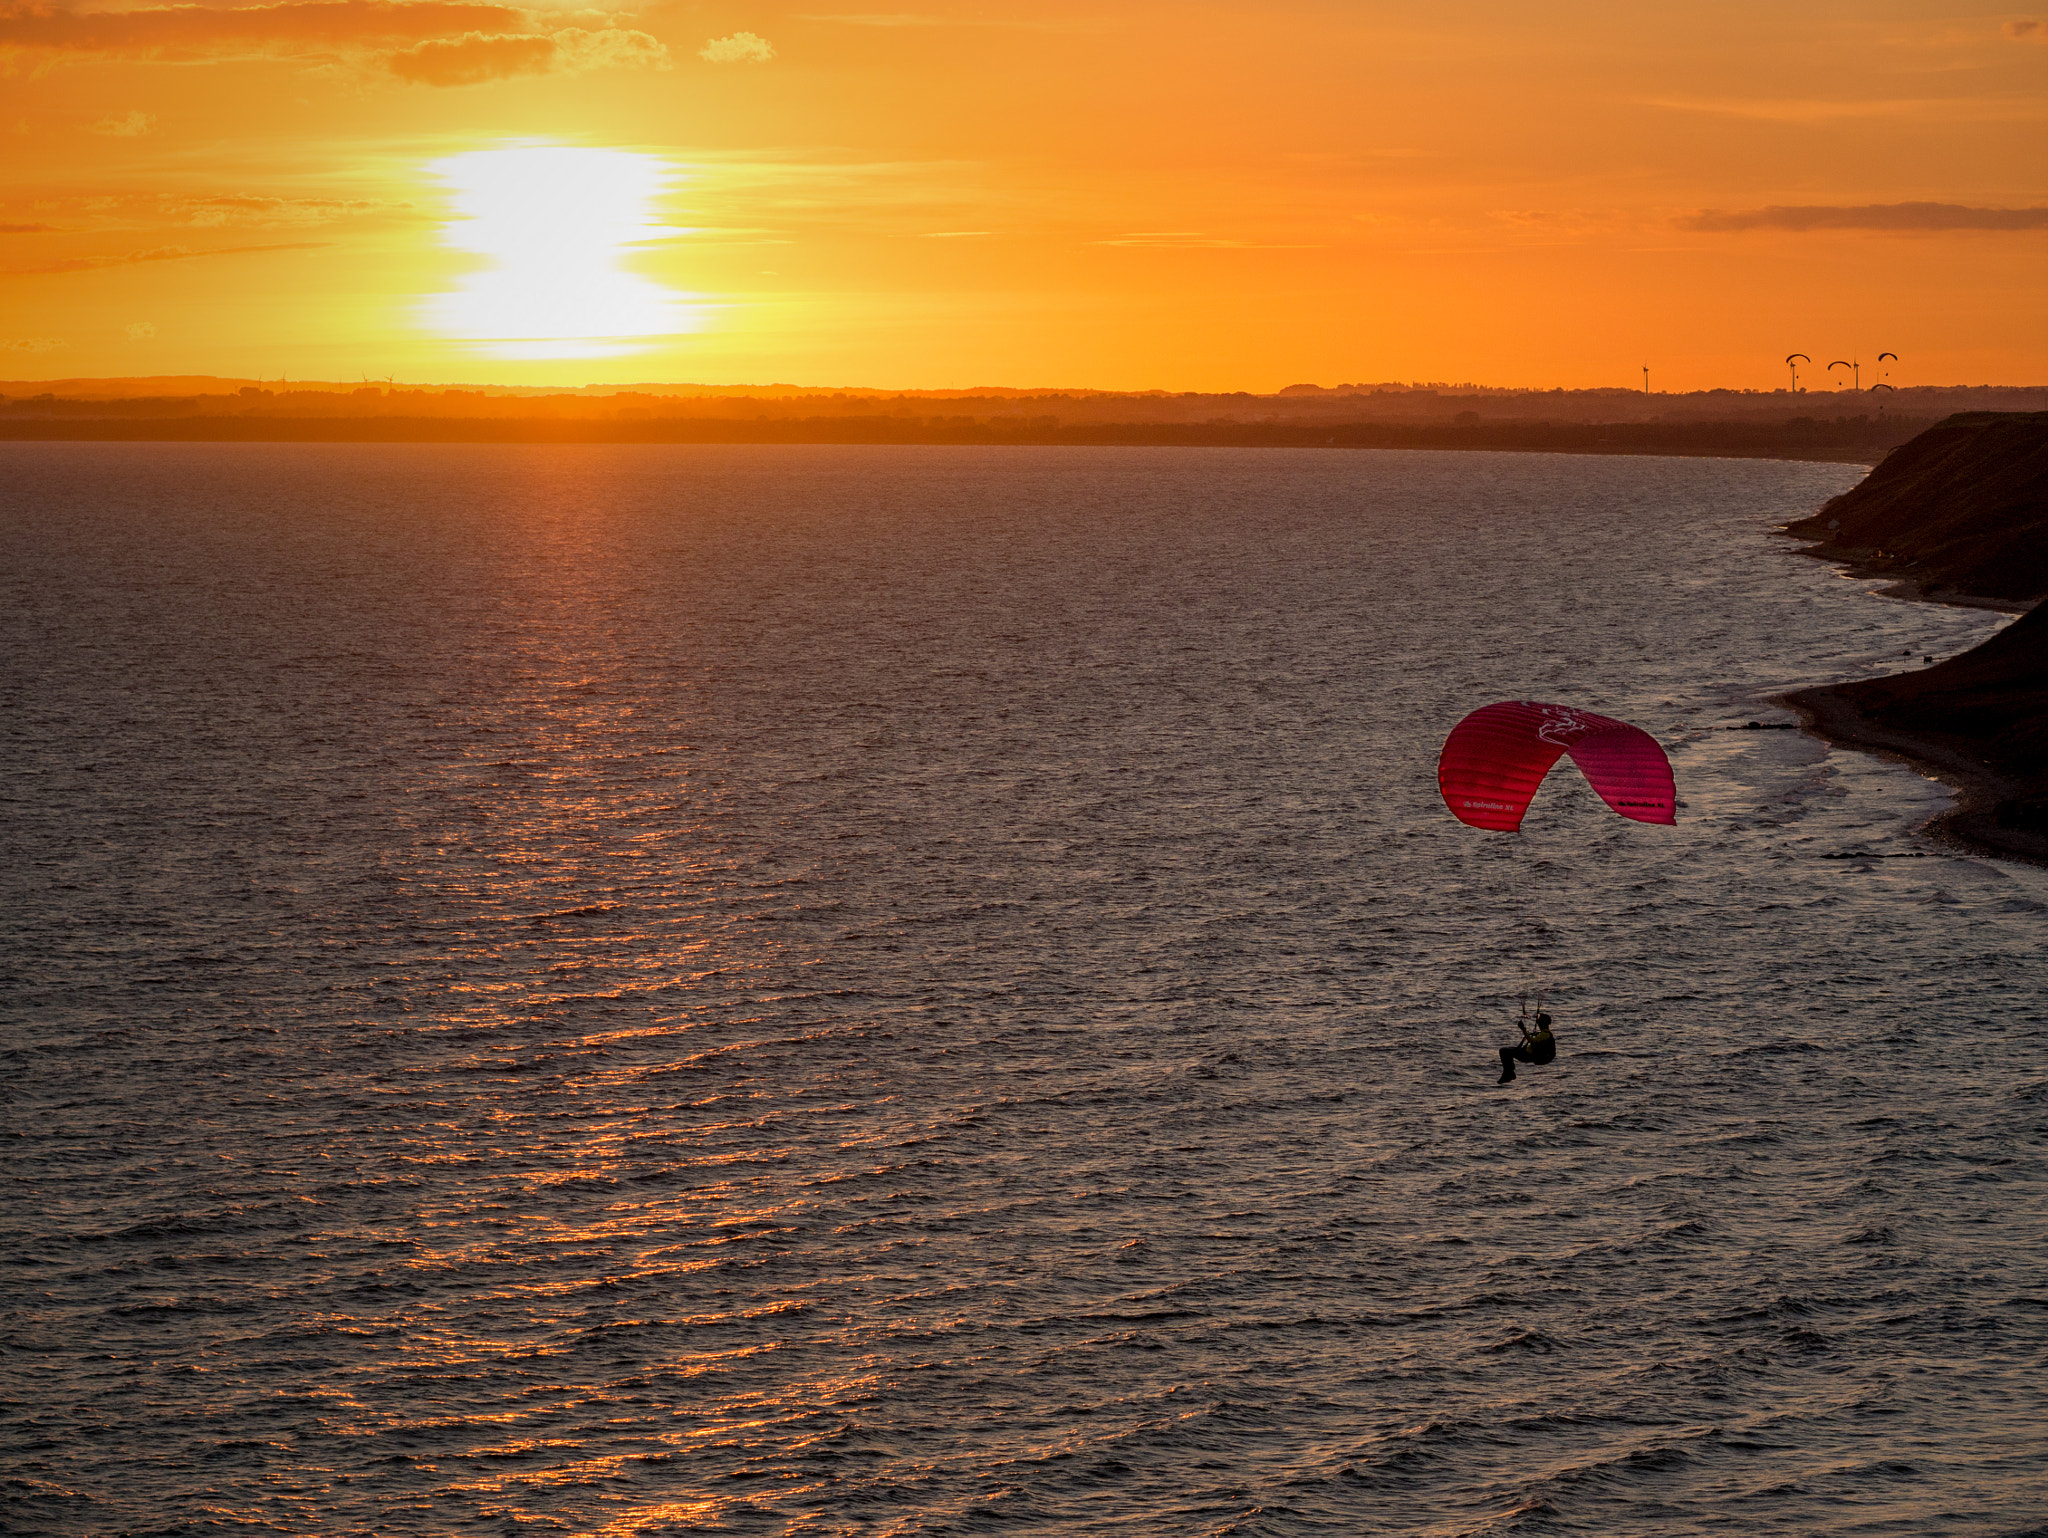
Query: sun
x=556 y=222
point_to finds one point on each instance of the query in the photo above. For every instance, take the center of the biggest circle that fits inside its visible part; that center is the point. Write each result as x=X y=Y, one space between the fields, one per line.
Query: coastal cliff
x=1961 y=510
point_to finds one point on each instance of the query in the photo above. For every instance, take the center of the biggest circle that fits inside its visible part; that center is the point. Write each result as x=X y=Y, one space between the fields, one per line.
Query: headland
x=1957 y=515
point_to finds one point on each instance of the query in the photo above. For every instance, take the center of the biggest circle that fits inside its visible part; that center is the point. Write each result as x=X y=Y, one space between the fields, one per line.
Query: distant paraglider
x=1496 y=758
x=1792 y=361
x=1855 y=370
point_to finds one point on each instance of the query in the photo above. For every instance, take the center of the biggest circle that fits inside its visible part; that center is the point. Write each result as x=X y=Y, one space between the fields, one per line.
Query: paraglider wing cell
x=1496 y=757
x=1628 y=769
x=1494 y=760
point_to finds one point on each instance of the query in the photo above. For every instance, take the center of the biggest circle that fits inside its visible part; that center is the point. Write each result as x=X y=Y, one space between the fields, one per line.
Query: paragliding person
x=1536 y=1047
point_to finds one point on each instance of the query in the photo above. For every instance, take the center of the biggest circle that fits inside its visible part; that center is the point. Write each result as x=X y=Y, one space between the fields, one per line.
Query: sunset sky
x=1217 y=195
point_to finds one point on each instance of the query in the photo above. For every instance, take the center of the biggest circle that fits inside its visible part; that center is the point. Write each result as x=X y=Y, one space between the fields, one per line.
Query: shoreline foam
x=1953 y=517
x=1980 y=786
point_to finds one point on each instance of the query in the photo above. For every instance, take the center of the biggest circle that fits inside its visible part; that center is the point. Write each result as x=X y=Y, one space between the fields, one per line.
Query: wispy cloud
x=1872 y=216
x=1194 y=240
x=901 y=19
x=473 y=58
x=882 y=19
x=580 y=49
x=1961 y=109
x=740 y=48
x=199 y=33
x=31 y=344
x=1785 y=110
x=434 y=42
x=155 y=254
x=107 y=216
x=257 y=211
x=2027 y=31
x=128 y=127
x=142 y=331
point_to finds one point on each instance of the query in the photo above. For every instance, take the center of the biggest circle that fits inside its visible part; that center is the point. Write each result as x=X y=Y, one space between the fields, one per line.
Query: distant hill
x=1962 y=509
x=1884 y=418
x=1777 y=424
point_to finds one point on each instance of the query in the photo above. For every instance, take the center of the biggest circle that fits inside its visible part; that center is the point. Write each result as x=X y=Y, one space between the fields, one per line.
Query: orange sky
x=1196 y=195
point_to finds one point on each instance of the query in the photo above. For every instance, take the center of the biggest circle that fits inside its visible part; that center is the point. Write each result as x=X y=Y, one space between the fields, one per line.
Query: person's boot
x=1507 y=1068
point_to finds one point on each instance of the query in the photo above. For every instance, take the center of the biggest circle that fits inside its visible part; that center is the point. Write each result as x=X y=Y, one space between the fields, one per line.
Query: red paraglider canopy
x=1496 y=757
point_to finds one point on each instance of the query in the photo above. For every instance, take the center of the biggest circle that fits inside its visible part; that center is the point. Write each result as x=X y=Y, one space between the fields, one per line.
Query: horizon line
x=389 y=386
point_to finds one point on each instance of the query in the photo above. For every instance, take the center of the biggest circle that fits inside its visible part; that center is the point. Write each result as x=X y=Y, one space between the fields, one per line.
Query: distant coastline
x=1838 y=442
x=1840 y=426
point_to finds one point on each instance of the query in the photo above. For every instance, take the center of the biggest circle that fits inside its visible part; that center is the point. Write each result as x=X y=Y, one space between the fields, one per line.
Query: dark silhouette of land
x=1961 y=511
x=1957 y=514
x=1829 y=425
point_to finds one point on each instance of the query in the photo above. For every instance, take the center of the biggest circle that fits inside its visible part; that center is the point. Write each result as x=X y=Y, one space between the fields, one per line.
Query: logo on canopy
x=1560 y=724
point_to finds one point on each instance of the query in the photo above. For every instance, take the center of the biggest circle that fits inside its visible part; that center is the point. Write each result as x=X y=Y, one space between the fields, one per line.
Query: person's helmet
x=1543 y=1019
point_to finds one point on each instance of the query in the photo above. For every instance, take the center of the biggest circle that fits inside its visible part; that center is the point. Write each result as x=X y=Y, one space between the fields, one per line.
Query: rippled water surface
x=822 y=991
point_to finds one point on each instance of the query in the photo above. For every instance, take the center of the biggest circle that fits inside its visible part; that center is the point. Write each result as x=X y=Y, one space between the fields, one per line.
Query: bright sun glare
x=556 y=222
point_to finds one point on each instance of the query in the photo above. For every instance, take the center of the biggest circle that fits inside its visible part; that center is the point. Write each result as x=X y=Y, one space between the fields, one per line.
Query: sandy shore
x=1979 y=785
x=1856 y=563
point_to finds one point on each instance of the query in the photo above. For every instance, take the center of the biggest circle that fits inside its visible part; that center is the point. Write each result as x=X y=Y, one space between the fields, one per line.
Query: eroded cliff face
x=1960 y=510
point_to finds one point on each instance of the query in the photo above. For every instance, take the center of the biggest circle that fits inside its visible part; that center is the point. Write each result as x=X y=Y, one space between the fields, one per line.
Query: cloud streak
x=1194 y=240
x=740 y=48
x=131 y=126
x=473 y=58
x=1915 y=217
x=430 y=42
x=578 y=49
x=156 y=254
x=198 y=33
x=880 y=19
x=901 y=19
x=1817 y=112
x=262 y=212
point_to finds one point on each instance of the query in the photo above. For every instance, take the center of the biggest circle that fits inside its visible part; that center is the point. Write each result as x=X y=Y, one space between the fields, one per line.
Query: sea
x=642 y=990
